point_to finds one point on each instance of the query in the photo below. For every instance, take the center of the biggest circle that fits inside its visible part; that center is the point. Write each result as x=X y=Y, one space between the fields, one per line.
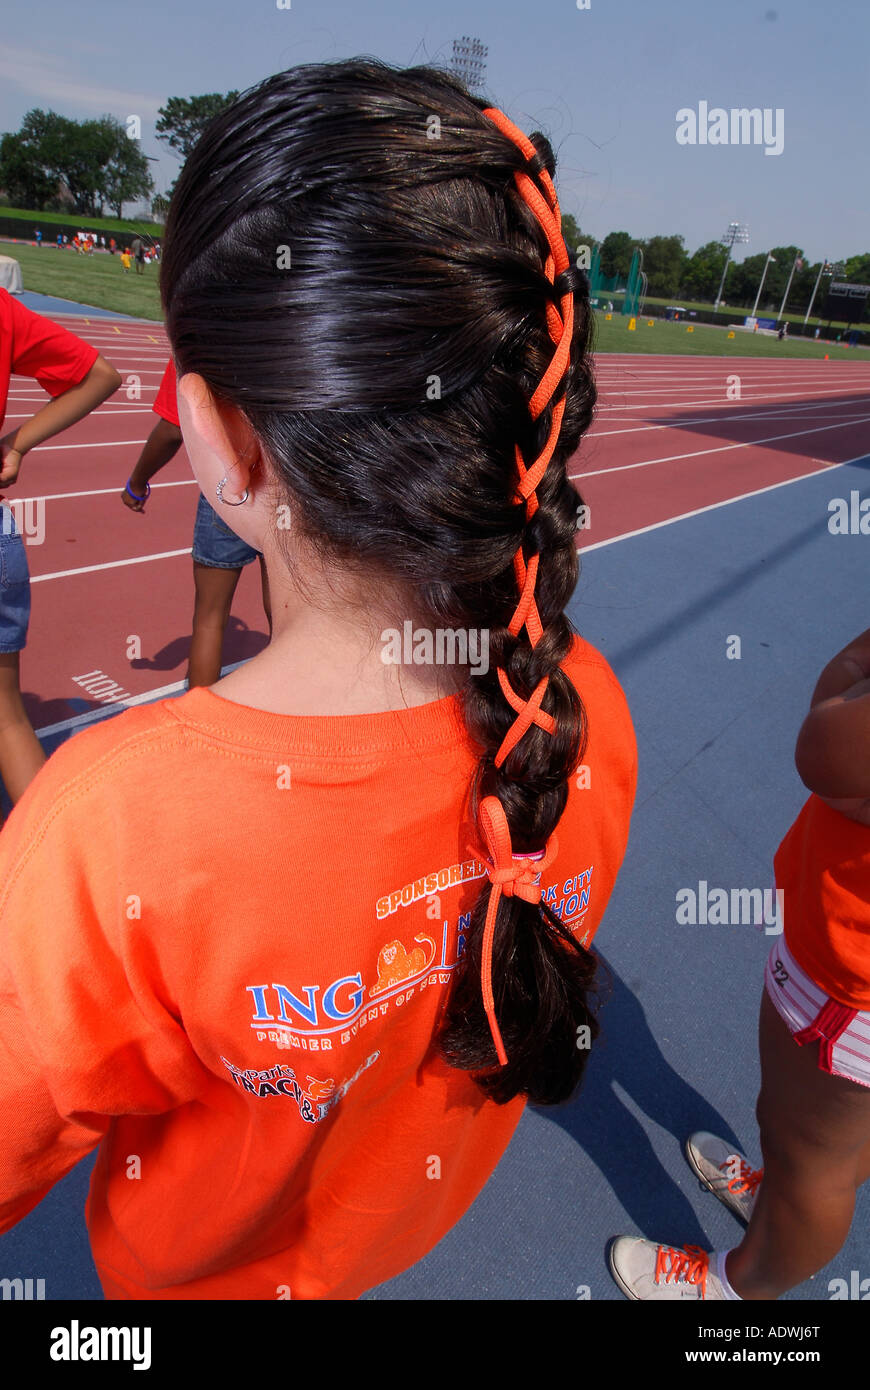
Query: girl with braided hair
x=360 y=940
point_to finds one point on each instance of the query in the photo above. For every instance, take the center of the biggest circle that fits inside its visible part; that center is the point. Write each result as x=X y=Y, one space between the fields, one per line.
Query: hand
x=11 y=461
x=130 y=502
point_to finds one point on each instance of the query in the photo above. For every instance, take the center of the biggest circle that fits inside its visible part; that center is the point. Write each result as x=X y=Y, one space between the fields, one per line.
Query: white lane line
x=93 y=492
x=789 y=413
x=77 y=721
x=108 y=444
x=721 y=449
x=109 y=565
x=714 y=506
x=776 y=398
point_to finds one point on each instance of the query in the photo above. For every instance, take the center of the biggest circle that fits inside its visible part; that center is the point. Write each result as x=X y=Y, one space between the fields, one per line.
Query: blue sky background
x=604 y=83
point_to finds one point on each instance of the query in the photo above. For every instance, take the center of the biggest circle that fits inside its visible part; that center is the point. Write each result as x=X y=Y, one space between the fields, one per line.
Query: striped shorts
x=841 y=1034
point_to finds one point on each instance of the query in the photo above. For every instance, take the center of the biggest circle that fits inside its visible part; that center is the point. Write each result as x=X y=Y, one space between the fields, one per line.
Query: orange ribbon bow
x=511 y=874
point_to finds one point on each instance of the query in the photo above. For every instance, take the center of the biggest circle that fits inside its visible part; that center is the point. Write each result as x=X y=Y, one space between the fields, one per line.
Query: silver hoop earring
x=220 y=487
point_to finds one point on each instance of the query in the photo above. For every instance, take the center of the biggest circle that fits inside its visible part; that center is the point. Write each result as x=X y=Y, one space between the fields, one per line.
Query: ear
x=221 y=427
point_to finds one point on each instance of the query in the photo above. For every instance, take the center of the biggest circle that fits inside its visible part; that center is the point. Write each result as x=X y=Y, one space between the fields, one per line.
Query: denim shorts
x=214 y=544
x=14 y=585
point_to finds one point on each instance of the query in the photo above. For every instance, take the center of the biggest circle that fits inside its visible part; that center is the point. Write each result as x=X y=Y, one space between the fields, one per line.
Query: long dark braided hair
x=416 y=259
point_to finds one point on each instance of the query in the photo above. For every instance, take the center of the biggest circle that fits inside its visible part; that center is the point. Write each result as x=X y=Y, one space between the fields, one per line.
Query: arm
x=162 y=444
x=87 y=1032
x=57 y=415
x=832 y=754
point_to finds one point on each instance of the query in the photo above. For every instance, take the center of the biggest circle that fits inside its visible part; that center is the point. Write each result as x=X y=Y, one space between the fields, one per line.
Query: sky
x=605 y=83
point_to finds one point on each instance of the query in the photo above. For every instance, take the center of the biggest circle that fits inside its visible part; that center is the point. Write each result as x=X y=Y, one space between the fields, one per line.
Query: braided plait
x=521 y=786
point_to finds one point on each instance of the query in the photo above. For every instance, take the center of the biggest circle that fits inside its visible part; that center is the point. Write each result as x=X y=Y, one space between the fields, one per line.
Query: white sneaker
x=724 y=1172
x=644 y=1270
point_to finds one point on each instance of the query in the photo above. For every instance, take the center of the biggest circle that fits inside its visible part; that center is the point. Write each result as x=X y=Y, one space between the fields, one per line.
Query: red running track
x=668 y=439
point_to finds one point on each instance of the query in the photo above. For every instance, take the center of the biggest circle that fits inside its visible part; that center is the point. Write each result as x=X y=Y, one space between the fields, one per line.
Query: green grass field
x=100 y=281
x=735 y=313
x=45 y=220
x=613 y=336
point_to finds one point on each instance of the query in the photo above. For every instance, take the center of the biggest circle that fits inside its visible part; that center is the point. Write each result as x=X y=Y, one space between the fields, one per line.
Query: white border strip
x=714 y=506
x=92 y=716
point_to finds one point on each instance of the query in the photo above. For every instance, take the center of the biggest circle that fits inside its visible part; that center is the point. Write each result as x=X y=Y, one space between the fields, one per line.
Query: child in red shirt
x=79 y=379
x=218 y=554
x=325 y=925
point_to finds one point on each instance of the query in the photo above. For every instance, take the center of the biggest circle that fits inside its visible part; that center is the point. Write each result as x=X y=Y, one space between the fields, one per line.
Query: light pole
x=798 y=261
x=824 y=269
x=469 y=62
x=736 y=232
x=761 y=286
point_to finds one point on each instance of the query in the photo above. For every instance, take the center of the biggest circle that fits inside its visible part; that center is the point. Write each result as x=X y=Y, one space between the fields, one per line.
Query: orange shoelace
x=514 y=875
x=690 y=1264
x=747 y=1181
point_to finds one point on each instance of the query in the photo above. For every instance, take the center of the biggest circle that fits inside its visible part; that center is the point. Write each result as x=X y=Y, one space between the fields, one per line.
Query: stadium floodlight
x=761 y=286
x=737 y=232
x=469 y=62
x=797 y=264
x=826 y=268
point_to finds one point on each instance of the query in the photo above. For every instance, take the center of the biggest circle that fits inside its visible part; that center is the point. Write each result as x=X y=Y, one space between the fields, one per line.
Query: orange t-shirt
x=226 y=939
x=823 y=868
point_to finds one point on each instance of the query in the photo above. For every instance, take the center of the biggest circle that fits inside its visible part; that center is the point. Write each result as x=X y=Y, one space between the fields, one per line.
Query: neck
x=326 y=653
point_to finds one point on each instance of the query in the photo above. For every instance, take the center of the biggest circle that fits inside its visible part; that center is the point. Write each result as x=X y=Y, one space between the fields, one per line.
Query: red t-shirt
x=166 y=400
x=823 y=869
x=31 y=345
x=226 y=939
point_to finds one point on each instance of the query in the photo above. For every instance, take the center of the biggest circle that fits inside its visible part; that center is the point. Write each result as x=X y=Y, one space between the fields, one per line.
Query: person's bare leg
x=21 y=753
x=267 y=601
x=815 y=1143
x=214 y=598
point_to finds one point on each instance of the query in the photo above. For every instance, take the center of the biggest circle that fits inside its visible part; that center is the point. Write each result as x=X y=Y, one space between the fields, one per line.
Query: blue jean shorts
x=215 y=544
x=14 y=585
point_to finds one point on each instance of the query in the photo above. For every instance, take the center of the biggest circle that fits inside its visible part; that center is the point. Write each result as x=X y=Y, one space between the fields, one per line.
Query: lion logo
x=395 y=964
x=319 y=1090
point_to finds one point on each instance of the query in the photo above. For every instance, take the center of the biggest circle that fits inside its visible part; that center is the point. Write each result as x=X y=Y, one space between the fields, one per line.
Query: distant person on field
x=219 y=555
x=126 y=260
x=38 y=235
x=79 y=379
x=138 y=249
x=112 y=245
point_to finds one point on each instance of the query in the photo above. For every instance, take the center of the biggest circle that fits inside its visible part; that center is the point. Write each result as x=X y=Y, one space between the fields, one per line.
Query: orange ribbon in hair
x=514 y=875
x=511 y=874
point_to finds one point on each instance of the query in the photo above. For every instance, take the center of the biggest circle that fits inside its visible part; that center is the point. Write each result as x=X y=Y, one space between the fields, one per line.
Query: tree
x=664 y=258
x=24 y=180
x=702 y=273
x=858 y=269
x=183 y=119
x=573 y=235
x=124 y=174
x=747 y=278
x=617 y=249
